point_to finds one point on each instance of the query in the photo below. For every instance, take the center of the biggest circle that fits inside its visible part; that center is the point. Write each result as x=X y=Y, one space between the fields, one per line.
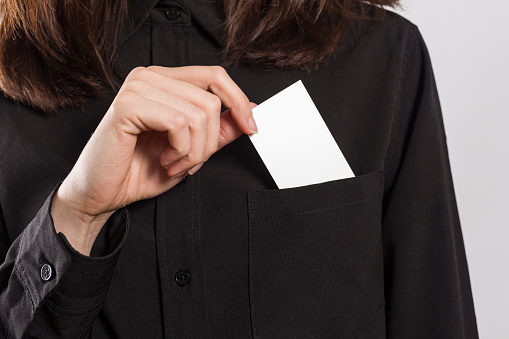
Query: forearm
x=49 y=289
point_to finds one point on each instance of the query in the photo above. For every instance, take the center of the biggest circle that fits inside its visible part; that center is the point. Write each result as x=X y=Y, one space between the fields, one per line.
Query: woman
x=108 y=235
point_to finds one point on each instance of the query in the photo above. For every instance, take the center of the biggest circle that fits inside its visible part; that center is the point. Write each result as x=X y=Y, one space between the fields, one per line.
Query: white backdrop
x=469 y=45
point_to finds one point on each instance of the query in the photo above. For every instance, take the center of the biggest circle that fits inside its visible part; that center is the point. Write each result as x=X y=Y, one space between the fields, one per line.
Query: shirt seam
x=389 y=151
x=20 y=272
x=368 y=197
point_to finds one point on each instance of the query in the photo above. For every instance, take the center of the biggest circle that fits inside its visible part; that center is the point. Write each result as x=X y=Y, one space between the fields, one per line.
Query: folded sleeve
x=49 y=290
x=427 y=286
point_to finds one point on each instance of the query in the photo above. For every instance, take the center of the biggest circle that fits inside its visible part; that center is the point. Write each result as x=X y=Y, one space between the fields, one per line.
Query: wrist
x=80 y=228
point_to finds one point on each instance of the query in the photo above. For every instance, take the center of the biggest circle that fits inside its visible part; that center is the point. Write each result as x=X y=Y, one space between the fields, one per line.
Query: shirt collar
x=205 y=12
x=138 y=11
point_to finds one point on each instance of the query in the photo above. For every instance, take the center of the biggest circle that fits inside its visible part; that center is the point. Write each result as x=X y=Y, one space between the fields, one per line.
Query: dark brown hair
x=56 y=53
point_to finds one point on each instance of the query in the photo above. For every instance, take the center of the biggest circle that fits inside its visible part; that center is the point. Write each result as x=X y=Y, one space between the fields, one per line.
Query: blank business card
x=294 y=141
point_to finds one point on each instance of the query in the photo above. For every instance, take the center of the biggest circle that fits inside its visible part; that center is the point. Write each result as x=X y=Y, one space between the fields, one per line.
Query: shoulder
x=382 y=47
x=394 y=40
x=396 y=24
x=406 y=34
x=393 y=18
x=392 y=33
x=396 y=29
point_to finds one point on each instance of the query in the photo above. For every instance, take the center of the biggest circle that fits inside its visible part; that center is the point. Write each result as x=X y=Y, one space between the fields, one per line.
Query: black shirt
x=226 y=254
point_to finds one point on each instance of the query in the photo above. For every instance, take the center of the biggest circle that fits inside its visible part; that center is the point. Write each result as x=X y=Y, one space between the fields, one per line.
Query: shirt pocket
x=315 y=259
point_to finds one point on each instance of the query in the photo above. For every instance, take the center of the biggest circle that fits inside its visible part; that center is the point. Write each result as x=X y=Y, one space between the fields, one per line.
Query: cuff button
x=46 y=272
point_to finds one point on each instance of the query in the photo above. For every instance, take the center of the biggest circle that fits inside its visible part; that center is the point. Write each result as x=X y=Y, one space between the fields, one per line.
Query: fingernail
x=194 y=169
x=178 y=175
x=252 y=125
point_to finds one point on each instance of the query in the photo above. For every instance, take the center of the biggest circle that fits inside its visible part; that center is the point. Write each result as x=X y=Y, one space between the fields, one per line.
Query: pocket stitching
x=368 y=197
x=251 y=270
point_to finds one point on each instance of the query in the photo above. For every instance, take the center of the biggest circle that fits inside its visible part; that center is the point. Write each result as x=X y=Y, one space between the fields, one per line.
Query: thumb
x=229 y=131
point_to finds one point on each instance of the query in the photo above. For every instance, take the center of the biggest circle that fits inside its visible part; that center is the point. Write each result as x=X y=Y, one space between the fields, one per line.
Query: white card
x=294 y=141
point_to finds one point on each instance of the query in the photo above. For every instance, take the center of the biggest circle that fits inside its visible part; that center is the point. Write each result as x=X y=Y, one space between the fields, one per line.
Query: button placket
x=176 y=219
x=172 y=13
x=170 y=21
x=183 y=277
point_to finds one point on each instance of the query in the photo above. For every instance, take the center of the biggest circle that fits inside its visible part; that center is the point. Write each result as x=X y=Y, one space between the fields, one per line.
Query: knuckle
x=242 y=99
x=182 y=150
x=123 y=102
x=200 y=118
x=203 y=118
x=218 y=71
x=179 y=121
x=153 y=68
x=134 y=85
x=144 y=74
x=196 y=158
x=213 y=104
x=212 y=149
x=137 y=72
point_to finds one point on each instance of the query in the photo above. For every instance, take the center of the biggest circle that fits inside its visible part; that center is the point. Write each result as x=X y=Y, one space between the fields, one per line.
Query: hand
x=163 y=124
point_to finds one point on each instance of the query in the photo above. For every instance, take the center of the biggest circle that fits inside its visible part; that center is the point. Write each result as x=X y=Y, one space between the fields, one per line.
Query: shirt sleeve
x=49 y=290
x=427 y=287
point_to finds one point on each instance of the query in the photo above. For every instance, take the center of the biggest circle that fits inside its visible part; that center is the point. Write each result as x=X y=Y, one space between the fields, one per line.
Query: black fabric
x=65 y=305
x=338 y=281
x=378 y=255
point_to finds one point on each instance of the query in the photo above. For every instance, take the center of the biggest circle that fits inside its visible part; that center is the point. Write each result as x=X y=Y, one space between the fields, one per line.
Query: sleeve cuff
x=52 y=272
x=85 y=285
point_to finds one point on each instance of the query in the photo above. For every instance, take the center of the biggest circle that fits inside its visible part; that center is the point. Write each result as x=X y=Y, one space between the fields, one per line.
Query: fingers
x=183 y=96
x=177 y=101
x=229 y=131
x=196 y=154
x=150 y=115
x=216 y=80
x=193 y=138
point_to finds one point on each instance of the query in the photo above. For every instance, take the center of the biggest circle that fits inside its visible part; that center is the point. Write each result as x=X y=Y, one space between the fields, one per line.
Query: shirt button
x=46 y=272
x=182 y=277
x=172 y=13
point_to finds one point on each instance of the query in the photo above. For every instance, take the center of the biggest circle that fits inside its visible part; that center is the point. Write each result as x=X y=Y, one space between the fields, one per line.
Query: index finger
x=216 y=80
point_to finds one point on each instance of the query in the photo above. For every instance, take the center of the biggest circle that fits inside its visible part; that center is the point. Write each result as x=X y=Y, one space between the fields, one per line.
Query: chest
x=248 y=253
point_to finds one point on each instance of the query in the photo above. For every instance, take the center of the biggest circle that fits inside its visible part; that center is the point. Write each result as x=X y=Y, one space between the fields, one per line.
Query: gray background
x=469 y=46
